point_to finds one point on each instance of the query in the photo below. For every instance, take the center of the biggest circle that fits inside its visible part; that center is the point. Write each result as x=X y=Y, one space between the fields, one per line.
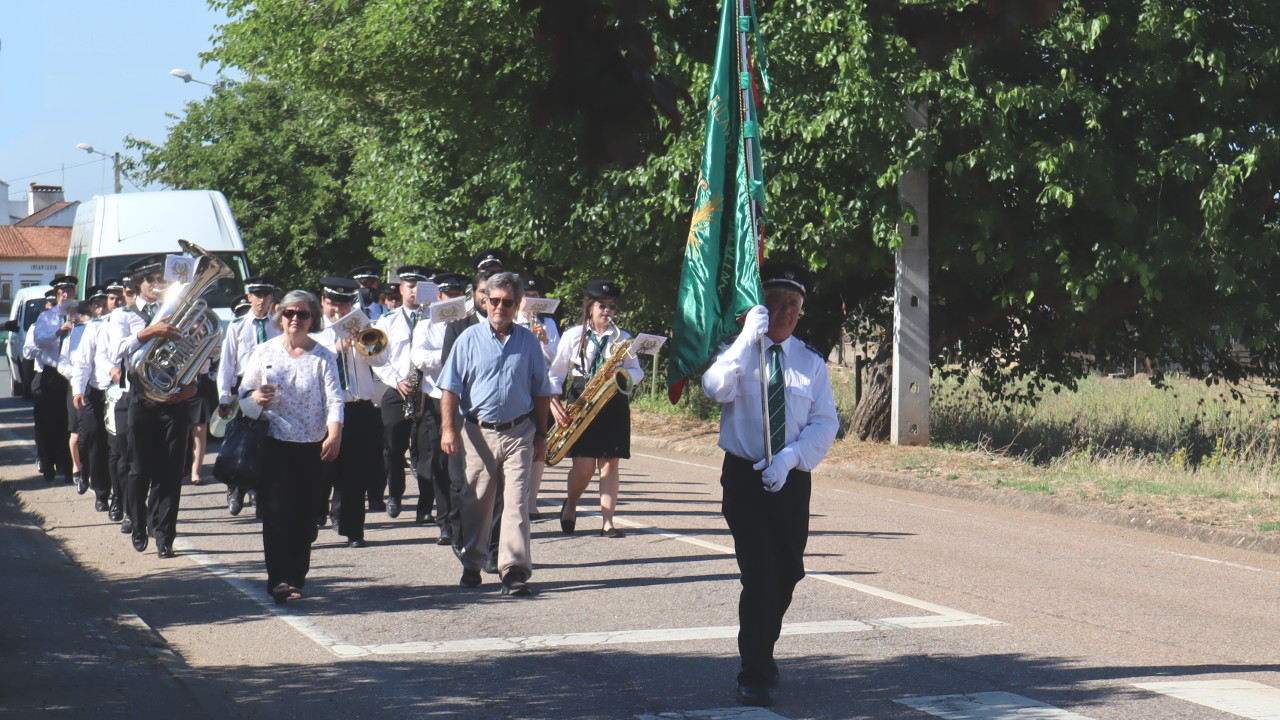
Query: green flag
x=720 y=279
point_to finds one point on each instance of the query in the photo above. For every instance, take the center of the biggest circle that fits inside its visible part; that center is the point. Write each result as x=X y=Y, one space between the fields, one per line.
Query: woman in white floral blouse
x=293 y=382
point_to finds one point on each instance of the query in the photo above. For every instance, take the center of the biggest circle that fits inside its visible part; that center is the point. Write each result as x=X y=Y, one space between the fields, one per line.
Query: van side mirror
x=11 y=326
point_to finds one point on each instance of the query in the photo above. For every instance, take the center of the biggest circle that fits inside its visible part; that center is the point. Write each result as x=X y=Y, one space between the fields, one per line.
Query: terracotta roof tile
x=35 y=218
x=34 y=242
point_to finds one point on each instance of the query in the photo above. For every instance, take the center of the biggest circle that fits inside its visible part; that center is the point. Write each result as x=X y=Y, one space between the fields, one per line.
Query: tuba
x=160 y=368
x=607 y=381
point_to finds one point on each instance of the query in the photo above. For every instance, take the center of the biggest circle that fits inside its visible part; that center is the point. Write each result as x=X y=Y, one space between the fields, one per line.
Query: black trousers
x=770 y=531
x=396 y=431
x=118 y=455
x=50 y=393
x=358 y=467
x=286 y=505
x=159 y=443
x=433 y=465
x=95 y=455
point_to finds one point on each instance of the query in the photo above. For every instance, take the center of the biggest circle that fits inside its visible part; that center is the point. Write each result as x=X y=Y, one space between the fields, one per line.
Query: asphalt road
x=910 y=596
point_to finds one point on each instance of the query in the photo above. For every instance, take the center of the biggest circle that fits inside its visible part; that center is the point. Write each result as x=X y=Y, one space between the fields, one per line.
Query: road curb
x=705 y=445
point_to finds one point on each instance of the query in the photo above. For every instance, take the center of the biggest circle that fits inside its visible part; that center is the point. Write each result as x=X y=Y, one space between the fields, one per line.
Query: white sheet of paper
x=351 y=324
x=538 y=306
x=449 y=310
x=646 y=344
x=178 y=268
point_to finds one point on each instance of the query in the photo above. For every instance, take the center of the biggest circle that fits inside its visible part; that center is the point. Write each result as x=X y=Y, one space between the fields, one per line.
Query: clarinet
x=413 y=405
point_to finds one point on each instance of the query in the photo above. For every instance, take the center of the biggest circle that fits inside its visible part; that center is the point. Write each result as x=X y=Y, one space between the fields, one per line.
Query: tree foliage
x=283 y=159
x=1101 y=186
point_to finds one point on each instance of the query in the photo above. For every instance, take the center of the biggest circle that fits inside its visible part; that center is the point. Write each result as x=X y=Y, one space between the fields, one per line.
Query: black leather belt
x=497 y=426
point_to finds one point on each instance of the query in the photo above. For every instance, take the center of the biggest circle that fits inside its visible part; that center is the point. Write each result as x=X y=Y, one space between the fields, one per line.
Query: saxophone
x=160 y=368
x=608 y=380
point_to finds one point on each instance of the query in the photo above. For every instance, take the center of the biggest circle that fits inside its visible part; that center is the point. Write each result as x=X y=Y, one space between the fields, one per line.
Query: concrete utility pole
x=910 y=420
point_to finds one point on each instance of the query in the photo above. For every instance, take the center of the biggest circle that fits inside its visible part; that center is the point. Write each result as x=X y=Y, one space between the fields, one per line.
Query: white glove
x=754 y=325
x=775 y=476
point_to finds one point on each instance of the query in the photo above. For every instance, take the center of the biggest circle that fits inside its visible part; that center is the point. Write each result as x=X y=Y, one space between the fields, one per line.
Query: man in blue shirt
x=496 y=374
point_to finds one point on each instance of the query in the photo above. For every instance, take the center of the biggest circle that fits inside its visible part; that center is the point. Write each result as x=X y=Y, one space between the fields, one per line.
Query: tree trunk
x=874 y=412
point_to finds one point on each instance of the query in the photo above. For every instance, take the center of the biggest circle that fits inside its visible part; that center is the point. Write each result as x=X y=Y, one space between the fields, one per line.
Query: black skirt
x=609 y=435
x=201 y=405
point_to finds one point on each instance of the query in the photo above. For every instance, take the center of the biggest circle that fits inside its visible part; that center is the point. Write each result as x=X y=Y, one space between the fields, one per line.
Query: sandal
x=295 y=593
x=280 y=593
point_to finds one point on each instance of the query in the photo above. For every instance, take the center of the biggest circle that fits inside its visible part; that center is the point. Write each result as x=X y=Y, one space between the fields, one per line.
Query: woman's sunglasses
x=299 y=314
x=504 y=302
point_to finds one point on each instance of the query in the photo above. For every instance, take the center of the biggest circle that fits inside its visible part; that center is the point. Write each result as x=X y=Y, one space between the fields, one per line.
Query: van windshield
x=218 y=296
x=31 y=310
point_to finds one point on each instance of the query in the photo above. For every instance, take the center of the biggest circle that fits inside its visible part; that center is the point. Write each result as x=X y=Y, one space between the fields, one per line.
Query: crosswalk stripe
x=730 y=713
x=1245 y=698
x=988 y=706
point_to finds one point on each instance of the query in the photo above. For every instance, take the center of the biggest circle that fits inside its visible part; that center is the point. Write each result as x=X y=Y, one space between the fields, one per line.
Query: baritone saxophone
x=607 y=381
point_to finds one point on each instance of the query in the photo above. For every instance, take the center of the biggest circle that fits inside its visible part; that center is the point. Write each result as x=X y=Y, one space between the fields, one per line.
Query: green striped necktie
x=777 y=402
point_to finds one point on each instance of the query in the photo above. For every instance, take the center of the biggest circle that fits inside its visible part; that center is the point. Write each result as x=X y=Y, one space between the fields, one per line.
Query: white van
x=111 y=231
x=28 y=303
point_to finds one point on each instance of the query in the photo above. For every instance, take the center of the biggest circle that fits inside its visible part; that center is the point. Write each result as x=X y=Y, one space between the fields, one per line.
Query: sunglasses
x=261 y=292
x=299 y=314
x=504 y=302
x=154 y=279
x=608 y=306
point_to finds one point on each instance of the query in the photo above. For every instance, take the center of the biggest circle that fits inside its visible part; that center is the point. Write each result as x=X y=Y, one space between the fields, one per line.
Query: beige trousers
x=490 y=455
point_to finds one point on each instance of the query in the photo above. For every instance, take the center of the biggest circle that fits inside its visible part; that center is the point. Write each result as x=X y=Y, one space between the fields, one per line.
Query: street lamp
x=115 y=162
x=186 y=78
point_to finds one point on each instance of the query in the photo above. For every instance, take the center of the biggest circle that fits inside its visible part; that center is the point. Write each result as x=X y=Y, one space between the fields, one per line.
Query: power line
x=50 y=172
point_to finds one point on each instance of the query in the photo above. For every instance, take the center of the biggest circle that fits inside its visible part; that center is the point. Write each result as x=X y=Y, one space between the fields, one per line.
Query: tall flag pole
x=720 y=278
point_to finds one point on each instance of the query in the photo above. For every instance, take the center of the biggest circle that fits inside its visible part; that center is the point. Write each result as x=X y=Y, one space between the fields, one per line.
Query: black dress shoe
x=358 y=543
x=516 y=583
x=234 y=502
x=491 y=565
x=393 y=507
x=612 y=532
x=81 y=484
x=754 y=695
x=377 y=506
x=115 y=513
x=140 y=540
x=567 y=526
x=165 y=551
x=534 y=515
x=126 y=527
x=427 y=519
x=444 y=539
x=470 y=579
x=100 y=504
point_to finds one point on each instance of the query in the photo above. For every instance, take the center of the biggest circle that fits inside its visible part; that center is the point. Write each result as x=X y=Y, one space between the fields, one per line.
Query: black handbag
x=239 y=462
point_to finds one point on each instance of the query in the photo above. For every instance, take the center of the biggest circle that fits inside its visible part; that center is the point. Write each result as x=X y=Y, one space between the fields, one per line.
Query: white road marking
x=1239 y=697
x=673 y=460
x=988 y=706
x=732 y=713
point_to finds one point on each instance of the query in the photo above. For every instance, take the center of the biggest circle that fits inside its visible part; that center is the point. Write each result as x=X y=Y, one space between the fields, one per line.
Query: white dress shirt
x=399 y=345
x=91 y=365
x=237 y=345
x=45 y=335
x=811 y=409
x=569 y=361
x=361 y=383
x=67 y=350
x=33 y=352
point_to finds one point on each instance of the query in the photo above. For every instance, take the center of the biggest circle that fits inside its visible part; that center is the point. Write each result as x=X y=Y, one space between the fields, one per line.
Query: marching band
x=458 y=379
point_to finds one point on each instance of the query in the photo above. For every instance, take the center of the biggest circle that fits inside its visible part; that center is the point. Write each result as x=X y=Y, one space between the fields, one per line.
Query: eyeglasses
x=299 y=314
x=504 y=302
x=608 y=306
x=154 y=279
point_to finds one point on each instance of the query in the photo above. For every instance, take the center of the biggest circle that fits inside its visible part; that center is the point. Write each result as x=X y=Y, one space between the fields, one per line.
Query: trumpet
x=371 y=341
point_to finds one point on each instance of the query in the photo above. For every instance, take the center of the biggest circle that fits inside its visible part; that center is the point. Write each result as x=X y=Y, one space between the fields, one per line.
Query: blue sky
x=76 y=71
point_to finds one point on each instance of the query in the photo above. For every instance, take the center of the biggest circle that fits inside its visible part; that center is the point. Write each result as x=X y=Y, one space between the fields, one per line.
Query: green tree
x=283 y=158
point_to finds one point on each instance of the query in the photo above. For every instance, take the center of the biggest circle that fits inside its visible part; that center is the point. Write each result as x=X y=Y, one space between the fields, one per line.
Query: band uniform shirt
x=496 y=380
x=810 y=406
x=399 y=337
x=308 y=395
x=45 y=335
x=68 y=349
x=426 y=353
x=30 y=351
x=572 y=359
x=237 y=345
x=89 y=363
x=552 y=330
x=361 y=384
